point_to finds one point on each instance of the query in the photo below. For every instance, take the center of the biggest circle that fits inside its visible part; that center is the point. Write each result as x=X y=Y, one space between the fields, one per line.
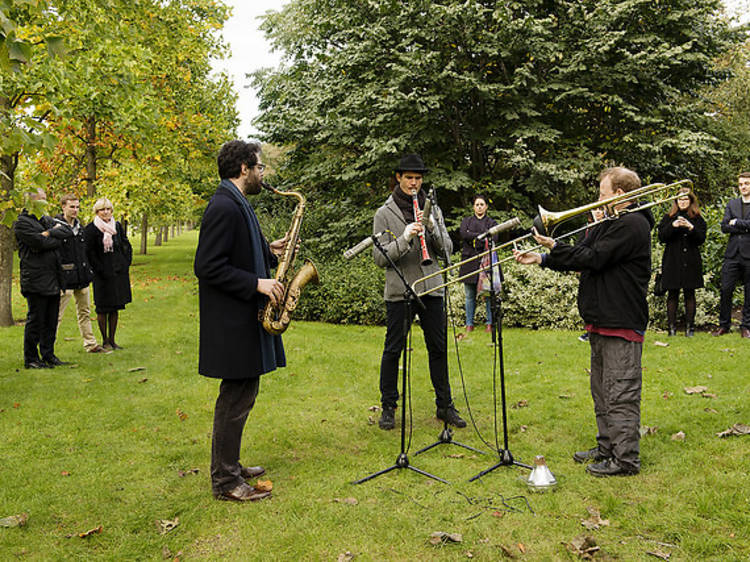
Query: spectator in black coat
x=683 y=231
x=736 y=267
x=110 y=254
x=41 y=283
x=77 y=273
x=471 y=227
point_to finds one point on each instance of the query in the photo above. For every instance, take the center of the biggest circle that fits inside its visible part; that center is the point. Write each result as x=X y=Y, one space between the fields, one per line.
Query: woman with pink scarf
x=110 y=254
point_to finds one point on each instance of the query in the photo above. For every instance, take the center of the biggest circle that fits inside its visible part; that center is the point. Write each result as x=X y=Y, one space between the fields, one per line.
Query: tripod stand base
x=506 y=459
x=402 y=461
x=446 y=438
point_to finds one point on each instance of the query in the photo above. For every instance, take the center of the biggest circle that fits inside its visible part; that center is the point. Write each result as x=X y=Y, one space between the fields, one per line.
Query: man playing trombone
x=407 y=242
x=615 y=265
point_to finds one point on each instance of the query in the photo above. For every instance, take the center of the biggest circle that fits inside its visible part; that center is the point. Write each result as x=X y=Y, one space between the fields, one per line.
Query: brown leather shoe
x=745 y=333
x=250 y=472
x=243 y=493
x=720 y=332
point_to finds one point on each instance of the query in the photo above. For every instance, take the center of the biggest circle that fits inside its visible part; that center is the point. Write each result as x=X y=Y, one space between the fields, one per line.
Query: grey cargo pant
x=616 y=389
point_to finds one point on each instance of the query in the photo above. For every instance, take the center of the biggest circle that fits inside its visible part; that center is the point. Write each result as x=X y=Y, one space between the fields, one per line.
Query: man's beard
x=252 y=187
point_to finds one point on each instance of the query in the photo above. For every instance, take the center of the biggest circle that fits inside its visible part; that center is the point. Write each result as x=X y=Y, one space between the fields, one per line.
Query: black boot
x=387 y=419
x=689 y=331
x=450 y=416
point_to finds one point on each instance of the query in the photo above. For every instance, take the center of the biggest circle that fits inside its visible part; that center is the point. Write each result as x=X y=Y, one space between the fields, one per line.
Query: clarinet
x=426 y=260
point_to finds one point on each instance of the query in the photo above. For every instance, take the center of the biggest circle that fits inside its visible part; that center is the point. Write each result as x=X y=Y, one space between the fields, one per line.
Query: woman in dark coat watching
x=471 y=227
x=682 y=230
x=110 y=254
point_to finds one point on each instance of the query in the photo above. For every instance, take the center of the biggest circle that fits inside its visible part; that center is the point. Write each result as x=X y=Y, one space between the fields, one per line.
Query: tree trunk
x=144 y=234
x=166 y=234
x=157 y=241
x=174 y=228
x=91 y=157
x=7 y=243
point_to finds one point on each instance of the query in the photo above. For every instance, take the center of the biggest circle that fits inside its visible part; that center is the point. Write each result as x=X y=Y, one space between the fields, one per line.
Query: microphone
x=502 y=227
x=362 y=246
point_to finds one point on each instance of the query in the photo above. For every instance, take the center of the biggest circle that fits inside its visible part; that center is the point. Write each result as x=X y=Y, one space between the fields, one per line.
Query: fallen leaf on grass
x=648 y=430
x=166 y=525
x=522 y=548
x=348 y=501
x=736 y=429
x=564 y=396
x=498 y=514
x=523 y=428
x=134 y=369
x=583 y=546
x=456 y=456
x=16 y=405
x=94 y=531
x=659 y=554
x=65 y=473
x=143 y=380
x=595 y=522
x=374 y=408
x=695 y=389
x=520 y=404
x=710 y=410
x=507 y=552
x=14 y=520
x=345 y=556
x=469 y=554
x=183 y=473
x=679 y=436
x=439 y=537
x=263 y=485
x=667 y=395
x=708 y=395
x=658 y=343
x=370 y=420
x=182 y=415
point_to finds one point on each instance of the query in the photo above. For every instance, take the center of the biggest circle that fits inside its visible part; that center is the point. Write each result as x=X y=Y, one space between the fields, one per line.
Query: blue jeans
x=471 y=299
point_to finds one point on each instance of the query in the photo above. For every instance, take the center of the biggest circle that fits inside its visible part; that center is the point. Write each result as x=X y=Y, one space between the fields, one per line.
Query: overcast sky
x=250 y=51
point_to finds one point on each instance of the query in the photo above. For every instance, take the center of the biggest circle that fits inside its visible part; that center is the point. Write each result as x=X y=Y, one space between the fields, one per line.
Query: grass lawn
x=100 y=443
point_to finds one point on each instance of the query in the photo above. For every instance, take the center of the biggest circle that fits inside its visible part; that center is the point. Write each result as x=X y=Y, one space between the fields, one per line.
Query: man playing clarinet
x=407 y=241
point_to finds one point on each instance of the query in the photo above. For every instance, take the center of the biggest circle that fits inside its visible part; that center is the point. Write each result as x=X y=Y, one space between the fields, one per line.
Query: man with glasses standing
x=233 y=263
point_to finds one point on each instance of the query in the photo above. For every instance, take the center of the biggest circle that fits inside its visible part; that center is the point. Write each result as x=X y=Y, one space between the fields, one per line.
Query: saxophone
x=276 y=318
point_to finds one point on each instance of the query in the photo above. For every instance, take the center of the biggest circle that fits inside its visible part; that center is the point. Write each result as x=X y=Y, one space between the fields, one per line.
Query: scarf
x=271 y=348
x=108 y=229
x=404 y=202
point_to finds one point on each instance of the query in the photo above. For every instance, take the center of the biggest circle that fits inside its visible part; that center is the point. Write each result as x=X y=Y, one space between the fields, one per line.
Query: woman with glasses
x=110 y=255
x=683 y=231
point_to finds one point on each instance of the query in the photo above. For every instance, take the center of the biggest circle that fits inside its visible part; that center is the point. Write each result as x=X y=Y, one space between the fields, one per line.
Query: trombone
x=546 y=222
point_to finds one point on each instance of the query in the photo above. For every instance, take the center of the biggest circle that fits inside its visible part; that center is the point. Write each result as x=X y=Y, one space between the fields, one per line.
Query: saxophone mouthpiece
x=267 y=186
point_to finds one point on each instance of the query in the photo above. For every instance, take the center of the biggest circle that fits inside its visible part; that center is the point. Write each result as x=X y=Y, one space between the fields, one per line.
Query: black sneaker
x=387 y=419
x=611 y=467
x=450 y=416
x=590 y=455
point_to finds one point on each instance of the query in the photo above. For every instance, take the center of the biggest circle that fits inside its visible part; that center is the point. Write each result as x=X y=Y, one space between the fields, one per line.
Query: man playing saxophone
x=403 y=244
x=232 y=263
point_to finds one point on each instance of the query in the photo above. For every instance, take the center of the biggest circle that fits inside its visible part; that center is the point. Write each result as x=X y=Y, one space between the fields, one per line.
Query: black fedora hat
x=411 y=163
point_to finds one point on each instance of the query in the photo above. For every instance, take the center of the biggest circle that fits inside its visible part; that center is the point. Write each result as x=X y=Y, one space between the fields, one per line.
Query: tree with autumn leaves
x=125 y=106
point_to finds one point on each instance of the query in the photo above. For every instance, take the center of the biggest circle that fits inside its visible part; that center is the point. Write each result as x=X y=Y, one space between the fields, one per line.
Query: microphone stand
x=446 y=435
x=402 y=460
x=504 y=454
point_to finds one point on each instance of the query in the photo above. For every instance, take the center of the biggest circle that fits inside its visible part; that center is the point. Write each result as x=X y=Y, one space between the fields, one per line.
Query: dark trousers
x=236 y=399
x=734 y=270
x=616 y=389
x=433 y=325
x=41 y=327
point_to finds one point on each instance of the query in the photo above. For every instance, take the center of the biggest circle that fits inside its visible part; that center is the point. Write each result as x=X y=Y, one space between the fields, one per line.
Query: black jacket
x=227 y=288
x=41 y=273
x=471 y=227
x=739 y=233
x=681 y=264
x=615 y=265
x=77 y=272
x=111 y=276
